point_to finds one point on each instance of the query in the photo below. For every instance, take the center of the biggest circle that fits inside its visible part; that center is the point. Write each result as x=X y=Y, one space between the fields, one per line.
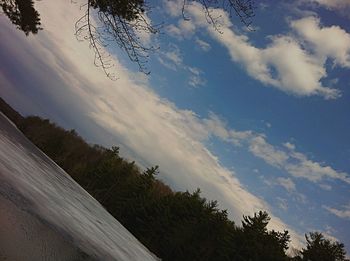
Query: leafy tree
x=319 y=248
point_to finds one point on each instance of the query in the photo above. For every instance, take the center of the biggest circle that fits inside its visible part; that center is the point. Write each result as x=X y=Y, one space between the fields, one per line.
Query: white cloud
x=196 y=78
x=166 y=63
x=284 y=64
x=184 y=29
x=289 y=145
x=174 y=55
x=287 y=183
x=172 y=59
x=260 y=148
x=341 y=213
x=330 y=230
x=327 y=42
x=173 y=8
x=187 y=28
x=284 y=157
x=313 y=171
x=326 y=187
x=203 y=45
x=174 y=31
x=295 y=163
x=217 y=127
x=282 y=203
x=301 y=198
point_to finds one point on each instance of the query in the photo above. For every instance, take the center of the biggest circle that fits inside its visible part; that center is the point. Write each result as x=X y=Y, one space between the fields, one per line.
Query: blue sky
x=256 y=119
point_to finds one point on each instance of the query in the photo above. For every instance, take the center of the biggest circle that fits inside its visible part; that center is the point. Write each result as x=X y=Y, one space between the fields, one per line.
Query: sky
x=257 y=118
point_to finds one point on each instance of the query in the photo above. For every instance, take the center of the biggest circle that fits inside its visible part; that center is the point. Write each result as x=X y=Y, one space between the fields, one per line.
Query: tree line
x=173 y=225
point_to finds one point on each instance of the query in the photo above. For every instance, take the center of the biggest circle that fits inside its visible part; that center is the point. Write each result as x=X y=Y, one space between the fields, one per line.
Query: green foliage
x=173 y=225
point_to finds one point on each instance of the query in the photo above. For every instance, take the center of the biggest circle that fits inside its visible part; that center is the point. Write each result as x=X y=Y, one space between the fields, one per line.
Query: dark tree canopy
x=319 y=248
x=257 y=241
x=128 y=10
x=22 y=14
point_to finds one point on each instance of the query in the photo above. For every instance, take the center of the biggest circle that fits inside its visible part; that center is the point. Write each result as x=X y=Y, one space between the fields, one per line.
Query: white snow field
x=46 y=215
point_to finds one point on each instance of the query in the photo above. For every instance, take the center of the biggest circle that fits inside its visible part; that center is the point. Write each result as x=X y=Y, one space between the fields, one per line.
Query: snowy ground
x=45 y=215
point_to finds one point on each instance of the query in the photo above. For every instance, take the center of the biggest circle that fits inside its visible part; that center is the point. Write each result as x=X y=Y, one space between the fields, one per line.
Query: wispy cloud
x=203 y=45
x=287 y=183
x=262 y=149
x=184 y=29
x=282 y=203
x=289 y=145
x=284 y=157
x=172 y=59
x=295 y=163
x=344 y=212
x=196 y=77
x=326 y=187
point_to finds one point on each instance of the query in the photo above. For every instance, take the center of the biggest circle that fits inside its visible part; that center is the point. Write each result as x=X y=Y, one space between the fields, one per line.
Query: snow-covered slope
x=45 y=215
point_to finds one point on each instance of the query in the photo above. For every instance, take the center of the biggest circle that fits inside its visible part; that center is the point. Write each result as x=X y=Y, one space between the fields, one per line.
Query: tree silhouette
x=258 y=243
x=22 y=14
x=319 y=248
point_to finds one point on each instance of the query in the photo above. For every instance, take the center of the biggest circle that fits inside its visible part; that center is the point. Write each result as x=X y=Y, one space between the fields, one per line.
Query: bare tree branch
x=115 y=27
x=123 y=21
